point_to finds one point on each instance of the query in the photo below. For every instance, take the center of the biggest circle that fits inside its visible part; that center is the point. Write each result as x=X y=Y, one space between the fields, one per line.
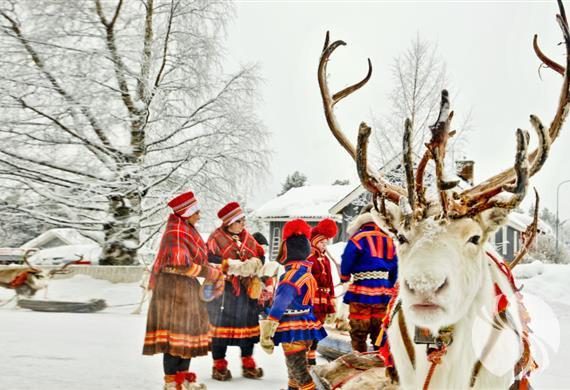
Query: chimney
x=465 y=170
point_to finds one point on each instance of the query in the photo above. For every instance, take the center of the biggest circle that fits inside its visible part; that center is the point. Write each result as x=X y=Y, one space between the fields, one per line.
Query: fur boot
x=250 y=369
x=220 y=371
x=359 y=330
x=170 y=383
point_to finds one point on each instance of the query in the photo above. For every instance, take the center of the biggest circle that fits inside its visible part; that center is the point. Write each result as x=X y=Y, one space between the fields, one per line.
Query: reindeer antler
x=63 y=270
x=471 y=201
x=530 y=233
x=25 y=260
x=439 y=136
x=369 y=181
x=479 y=198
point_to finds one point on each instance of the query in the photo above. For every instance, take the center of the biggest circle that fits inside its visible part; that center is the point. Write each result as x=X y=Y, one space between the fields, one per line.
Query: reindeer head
x=442 y=240
x=441 y=262
x=30 y=280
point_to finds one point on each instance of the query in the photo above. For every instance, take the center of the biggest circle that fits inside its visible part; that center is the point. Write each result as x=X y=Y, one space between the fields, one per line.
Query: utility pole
x=557 y=204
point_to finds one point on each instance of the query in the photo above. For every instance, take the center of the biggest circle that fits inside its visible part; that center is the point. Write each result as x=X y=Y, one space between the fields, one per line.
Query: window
x=275 y=240
x=505 y=241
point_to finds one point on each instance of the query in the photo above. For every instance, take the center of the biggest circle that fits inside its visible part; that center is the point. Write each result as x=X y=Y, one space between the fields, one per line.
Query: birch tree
x=419 y=75
x=111 y=107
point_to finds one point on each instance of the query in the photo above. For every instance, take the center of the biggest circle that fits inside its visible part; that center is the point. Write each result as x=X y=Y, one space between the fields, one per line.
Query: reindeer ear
x=392 y=218
x=493 y=219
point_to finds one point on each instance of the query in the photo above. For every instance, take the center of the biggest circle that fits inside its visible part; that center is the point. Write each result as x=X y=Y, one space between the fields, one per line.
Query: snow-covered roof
x=66 y=236
x=348 y=199
x=519 y=221
x=310 y=202
x=66 y=253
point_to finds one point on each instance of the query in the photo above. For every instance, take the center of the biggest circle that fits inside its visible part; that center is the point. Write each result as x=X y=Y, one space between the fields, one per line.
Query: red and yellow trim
x=298 y=325
x=376 y=248
x=234 y=333
x=311 y=354
x=177 y=339
x=371 y=291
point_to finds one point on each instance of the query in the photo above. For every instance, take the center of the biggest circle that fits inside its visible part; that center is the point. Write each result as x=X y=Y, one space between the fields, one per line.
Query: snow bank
x=551 y=285
x=527 y=271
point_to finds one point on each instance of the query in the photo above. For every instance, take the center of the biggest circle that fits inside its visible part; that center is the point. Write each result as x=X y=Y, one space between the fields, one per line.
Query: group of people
x=185 y=322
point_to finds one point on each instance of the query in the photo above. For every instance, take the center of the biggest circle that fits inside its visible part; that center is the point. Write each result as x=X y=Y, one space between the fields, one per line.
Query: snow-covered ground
x=103 y=350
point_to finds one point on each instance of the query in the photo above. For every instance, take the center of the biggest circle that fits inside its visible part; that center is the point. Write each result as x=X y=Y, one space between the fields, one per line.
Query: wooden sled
x=351 y=372
x=335 y=345
x=92 y=306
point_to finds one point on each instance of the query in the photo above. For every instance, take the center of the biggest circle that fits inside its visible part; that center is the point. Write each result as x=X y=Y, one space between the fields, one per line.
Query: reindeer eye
x=402 y=239
x=474 y=239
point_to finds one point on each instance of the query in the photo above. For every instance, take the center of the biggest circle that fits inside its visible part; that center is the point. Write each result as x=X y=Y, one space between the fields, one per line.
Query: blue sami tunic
x=371 y=259
x=293 y=305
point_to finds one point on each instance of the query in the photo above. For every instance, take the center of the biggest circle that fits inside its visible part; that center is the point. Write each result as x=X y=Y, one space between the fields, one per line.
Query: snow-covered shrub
x=544 y=249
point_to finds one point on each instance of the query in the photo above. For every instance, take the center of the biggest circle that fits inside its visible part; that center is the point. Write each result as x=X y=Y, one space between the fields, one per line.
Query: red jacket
x=182 y=246
x=323 y=303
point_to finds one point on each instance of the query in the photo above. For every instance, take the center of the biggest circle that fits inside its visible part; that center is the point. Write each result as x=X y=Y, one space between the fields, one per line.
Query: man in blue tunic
x=370 y=258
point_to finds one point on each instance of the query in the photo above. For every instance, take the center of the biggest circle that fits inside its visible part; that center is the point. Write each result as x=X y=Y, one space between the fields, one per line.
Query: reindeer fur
x=468 y=300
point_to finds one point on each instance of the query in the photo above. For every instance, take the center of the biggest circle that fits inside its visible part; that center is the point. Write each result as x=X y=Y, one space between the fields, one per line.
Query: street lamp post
x=557 y=219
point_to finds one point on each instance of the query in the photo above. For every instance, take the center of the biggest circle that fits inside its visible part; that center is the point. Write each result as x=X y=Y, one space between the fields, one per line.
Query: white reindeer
x=455 y=296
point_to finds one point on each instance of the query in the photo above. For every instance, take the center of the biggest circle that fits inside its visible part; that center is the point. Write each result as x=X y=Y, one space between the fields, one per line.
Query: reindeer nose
x=426 y=284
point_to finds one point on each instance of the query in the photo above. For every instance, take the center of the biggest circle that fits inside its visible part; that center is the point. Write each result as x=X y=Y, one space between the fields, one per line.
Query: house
x=312 y=203
x=348 y=207
x=57 y=246
x=60 y=237
x=508 y=238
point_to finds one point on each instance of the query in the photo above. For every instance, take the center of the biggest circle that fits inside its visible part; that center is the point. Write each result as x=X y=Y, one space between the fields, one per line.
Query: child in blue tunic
x=291 y=321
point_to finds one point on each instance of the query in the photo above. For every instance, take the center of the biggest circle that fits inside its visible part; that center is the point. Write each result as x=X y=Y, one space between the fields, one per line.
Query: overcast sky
x=488 y=50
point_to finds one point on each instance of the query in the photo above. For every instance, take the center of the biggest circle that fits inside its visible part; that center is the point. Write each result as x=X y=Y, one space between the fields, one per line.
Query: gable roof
x=520 y=221
x=348 y=199
x=66 y=235
x=309 y=202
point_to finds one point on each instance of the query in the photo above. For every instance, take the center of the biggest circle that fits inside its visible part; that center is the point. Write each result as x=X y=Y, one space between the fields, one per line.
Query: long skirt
x=234 y=318
x=177 y=320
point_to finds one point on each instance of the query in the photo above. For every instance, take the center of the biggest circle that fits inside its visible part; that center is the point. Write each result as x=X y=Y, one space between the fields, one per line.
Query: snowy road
x=98 y=351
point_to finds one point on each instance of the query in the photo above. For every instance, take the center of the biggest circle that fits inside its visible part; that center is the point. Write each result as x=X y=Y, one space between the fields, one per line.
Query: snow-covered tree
x=341 y=182
x=15 y=230
x=296 y=179
x=419 y=75
x=544 y=249
x=111 y=107
x=547 y=216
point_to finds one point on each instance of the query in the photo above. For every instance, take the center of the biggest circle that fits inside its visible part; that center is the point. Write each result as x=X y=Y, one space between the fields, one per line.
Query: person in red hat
x=291 y=321
x=234 y=315
x=323 y=303
x=177 y=323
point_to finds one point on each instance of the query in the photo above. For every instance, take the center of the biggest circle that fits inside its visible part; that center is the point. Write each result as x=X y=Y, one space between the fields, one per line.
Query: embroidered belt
x=296 y=312
x=370 y=275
